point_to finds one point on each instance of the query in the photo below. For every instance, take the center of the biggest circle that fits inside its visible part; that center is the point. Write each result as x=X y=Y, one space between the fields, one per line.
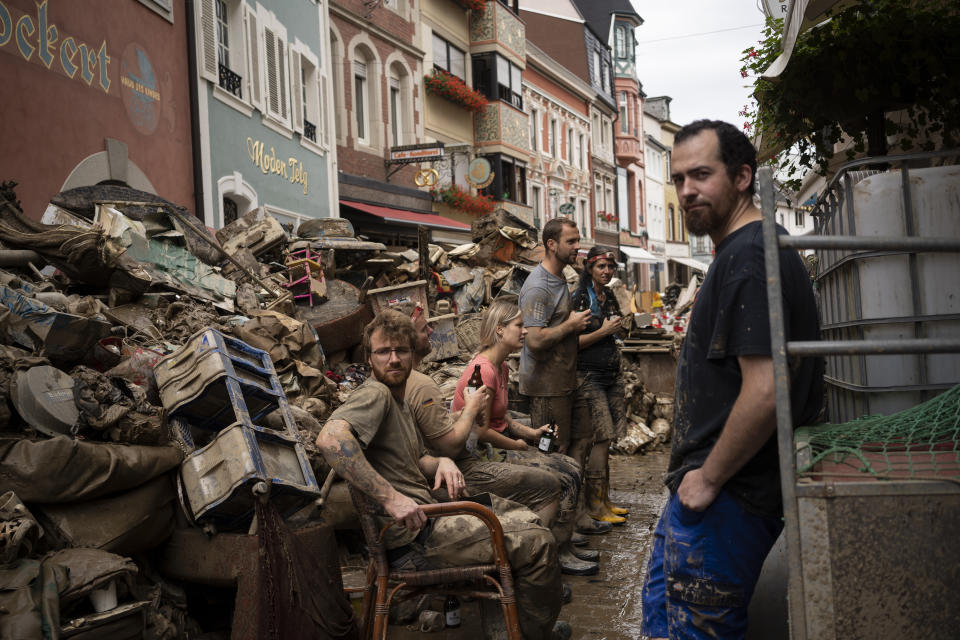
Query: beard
x=703 y=218
x=423 y=348
x=392 y=377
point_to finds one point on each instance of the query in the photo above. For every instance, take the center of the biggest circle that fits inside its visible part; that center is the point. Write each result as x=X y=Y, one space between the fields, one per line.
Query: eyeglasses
x=384 y=354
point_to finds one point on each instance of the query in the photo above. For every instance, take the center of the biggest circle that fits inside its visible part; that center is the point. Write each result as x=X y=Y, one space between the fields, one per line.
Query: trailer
x=872 y=505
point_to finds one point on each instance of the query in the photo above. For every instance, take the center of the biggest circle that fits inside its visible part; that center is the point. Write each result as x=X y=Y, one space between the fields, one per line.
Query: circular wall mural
x=140 y=89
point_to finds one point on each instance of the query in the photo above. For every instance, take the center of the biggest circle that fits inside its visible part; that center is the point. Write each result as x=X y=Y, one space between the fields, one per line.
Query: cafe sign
x=411 y=153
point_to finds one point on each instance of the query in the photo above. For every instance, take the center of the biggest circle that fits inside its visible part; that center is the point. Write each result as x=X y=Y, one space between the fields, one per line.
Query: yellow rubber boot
x=618 y=511
x=596 y=508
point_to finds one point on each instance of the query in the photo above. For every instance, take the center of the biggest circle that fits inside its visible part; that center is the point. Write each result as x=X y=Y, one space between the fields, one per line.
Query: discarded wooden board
x=444 y=338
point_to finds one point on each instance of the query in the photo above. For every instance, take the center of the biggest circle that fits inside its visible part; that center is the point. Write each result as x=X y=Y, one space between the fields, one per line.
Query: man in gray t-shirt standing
x=548 y=361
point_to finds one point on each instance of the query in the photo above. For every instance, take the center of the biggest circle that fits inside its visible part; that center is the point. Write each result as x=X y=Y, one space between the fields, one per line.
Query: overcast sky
x=700 y=72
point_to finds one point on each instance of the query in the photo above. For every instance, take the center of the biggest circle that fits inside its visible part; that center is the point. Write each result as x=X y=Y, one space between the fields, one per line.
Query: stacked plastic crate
x=217 y=391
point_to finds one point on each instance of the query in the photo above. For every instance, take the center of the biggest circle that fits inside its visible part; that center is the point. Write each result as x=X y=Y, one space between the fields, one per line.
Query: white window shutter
x=283 y=85
x=322 y=109
x=296 y=90
x=208 y=40
x=273 y=83
x=252 y=41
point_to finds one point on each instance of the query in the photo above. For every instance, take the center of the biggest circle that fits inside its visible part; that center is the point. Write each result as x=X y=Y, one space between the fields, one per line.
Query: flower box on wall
x=448 y=86
x=477 y=6
x=457 y=198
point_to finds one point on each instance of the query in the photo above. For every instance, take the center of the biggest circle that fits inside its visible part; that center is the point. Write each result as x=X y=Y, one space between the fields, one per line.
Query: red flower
x=455 y=197
x=443 y=84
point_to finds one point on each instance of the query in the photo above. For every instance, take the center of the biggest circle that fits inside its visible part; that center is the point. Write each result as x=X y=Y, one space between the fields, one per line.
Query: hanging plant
x=453 y=196
x=446 y=85
x=477 y=6
x=847 y=76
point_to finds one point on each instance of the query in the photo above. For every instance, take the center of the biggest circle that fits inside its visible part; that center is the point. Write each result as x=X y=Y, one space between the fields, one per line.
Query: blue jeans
x=703 y=569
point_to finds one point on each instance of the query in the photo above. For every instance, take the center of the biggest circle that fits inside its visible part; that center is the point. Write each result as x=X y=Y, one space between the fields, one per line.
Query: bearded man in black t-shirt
x=725 y=507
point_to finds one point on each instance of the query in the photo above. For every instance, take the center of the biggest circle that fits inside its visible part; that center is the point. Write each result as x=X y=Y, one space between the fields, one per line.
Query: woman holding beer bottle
x=509 y=441
x=600 y=397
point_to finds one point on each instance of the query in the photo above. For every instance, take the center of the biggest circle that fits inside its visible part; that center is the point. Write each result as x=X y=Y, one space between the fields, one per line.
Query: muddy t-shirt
x=392 y=445
x=545 y=302
x=730 y=319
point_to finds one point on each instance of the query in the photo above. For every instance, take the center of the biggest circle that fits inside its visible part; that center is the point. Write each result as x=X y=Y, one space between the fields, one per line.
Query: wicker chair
x=383 y=583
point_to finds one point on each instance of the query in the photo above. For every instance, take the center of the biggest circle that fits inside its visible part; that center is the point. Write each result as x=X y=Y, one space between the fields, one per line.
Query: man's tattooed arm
x=344 y=454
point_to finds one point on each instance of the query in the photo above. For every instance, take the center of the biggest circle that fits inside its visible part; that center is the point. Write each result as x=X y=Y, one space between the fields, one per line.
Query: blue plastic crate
x=215 y=381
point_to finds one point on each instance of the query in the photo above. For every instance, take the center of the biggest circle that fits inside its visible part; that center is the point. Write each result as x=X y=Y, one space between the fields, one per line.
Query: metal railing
x=309 y=130
x=230 y=81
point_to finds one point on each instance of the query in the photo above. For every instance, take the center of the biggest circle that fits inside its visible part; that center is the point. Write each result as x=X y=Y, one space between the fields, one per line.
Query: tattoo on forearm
x=348 y=461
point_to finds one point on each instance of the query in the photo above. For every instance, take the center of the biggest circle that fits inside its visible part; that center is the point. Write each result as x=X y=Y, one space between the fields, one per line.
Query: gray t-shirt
x=545 y=302
x=392 y=446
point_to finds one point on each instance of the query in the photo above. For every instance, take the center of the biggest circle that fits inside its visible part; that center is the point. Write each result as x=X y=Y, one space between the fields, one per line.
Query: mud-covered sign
x=139 y=89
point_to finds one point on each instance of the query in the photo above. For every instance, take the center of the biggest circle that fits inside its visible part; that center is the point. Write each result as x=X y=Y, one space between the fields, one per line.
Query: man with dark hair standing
x=724 y=511
x=548 y=361
x=371 y=441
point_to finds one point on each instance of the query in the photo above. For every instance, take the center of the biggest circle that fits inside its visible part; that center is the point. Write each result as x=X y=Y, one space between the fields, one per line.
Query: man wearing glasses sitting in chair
x=372 y=442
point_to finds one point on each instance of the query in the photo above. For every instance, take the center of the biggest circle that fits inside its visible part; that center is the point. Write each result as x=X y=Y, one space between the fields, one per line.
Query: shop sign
x=35 y=39
x=290 y=169
x=411 y=153
x=567 y=209
x=479 y=173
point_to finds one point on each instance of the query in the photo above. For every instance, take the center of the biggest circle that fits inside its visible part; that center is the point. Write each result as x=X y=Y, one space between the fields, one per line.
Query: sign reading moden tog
x=267 y=161
x=567 y=209
x=411 y=153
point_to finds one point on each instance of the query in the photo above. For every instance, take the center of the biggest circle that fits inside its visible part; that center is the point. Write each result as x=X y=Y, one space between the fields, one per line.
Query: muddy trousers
x=531 y=550
x=568 y=472
x=703 y=569
x=531 y=487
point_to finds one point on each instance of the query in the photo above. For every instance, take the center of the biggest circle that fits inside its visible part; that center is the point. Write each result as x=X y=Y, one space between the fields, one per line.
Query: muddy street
x=605 y=606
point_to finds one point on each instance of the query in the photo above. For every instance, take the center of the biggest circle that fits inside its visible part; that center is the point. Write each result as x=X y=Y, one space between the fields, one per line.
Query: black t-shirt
x=602 y=358
x=730 y=319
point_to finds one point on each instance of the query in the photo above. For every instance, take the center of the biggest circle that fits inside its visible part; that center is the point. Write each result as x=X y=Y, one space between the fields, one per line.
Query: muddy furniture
x=383 y=583
x=871 y=555
x=230 y=560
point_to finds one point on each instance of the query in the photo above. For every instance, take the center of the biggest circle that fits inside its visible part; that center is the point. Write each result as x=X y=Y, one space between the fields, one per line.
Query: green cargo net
x=922 y=442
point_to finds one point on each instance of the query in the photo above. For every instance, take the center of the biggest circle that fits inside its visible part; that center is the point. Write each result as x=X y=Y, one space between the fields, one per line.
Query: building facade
x=263 y=74
x=559 y=176
x=88 y=100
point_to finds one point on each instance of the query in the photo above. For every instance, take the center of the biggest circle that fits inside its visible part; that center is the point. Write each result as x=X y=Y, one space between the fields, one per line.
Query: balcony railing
x=309 y=130
x=229 y=81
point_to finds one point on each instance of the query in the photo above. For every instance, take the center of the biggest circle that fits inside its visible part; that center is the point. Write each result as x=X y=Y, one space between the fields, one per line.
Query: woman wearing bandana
x=598 y=369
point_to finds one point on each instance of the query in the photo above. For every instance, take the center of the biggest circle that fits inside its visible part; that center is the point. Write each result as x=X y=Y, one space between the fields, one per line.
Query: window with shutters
x=306 y=94
x=449 y=58
x=400 y=105
x=497 y=78
x=624 y=117
x=552 y=137
x=361 y=101
x=222 y=44
x=277 y=94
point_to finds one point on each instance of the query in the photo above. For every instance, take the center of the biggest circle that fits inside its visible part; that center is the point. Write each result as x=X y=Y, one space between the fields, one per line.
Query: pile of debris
x=159 y=381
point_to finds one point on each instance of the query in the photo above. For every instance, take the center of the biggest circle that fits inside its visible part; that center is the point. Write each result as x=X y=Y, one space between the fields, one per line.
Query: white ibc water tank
x=885 y=288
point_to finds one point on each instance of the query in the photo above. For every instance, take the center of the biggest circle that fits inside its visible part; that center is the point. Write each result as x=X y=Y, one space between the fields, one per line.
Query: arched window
x=400 y=103
x=365 y=95
x=621 y=41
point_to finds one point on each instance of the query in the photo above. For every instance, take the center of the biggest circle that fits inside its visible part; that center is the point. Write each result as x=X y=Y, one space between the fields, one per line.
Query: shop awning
x=407 y=217
x=696 y=265
x=636 y=255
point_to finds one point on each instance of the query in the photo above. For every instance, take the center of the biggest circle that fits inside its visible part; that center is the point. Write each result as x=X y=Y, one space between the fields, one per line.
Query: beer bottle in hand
x=473 y=385
x=546 y=440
